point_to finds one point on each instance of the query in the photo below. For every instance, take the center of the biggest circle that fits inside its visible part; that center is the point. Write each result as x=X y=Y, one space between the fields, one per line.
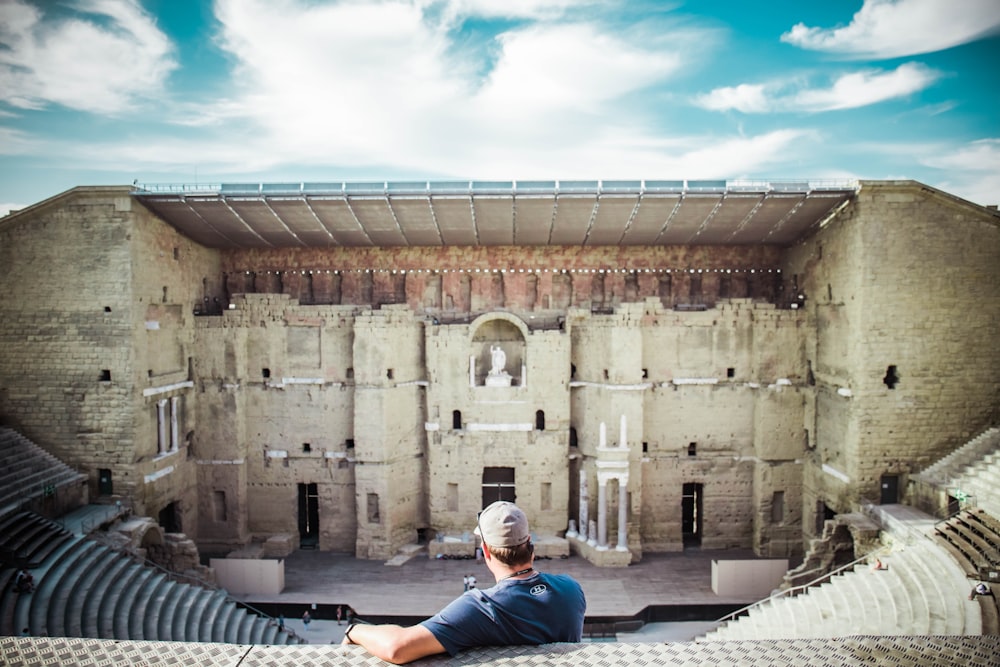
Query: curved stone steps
x=962 y=616
x=972 y=531
x=150 y=621
x=844 y=618
x=890 y=609
x=921 y=593
x=911 y=585
x=24 y=534
x=84 y=588
x=47 y=589
x=8 y=599
x=808 y=612
x=145 y=605
x=92 y=604
x=165 y=621
x=125 y=602
x=245 y=628
x=87 y=555
x=865 y=610
x=207 y=627
x=188 y=623
x=227 y=623
x=937 y=614
x=109 y=600
x=270 y=634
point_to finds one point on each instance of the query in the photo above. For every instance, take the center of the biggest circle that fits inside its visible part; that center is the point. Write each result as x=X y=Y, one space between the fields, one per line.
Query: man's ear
x=486 y=552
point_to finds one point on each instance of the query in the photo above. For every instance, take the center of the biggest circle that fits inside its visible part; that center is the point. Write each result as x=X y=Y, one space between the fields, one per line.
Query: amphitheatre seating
x=974 y=469
x=26 y=470
x=27 y=539
x=922 y=592
x=972 y=537
x=86 y=589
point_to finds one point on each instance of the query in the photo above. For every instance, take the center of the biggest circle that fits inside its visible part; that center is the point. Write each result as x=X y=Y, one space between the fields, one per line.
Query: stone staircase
x=973 y=471
x=942 y=470
x=27 y=471
x=86 y=589
x=922 y=591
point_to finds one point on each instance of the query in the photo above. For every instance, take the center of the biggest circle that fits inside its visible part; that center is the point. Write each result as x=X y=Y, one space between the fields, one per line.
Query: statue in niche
x=499 y=359
x=498 y=376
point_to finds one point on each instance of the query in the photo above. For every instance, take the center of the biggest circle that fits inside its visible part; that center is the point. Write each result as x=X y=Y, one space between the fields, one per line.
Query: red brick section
x=519 y=277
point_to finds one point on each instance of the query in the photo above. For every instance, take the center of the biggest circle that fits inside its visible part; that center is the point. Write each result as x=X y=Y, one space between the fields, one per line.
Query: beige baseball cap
x=503 y=524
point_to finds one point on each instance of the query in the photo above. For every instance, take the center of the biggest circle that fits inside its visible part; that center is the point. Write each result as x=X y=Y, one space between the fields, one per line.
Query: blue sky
x=178 y=91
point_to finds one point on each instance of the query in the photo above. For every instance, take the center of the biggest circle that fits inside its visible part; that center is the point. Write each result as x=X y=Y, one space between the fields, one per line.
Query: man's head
x=504 y=530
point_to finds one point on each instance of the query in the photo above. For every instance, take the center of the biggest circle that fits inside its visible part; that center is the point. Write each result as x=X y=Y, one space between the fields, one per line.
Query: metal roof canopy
x=492 y=213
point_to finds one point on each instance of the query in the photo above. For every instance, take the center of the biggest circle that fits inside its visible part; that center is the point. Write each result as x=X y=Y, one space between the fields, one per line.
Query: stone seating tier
x=923 y=592
x=26 y=470
x=86 y=589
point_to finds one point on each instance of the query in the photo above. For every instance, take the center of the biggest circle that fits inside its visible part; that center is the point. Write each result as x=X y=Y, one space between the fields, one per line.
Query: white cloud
x=899 y=28
x=531 y=9
x=972 y=170
x=746 y=97
x=568 y=68
x=849 y=91
x=382 y=83
x=859 y=89
x=6 y=208
x=102 y=63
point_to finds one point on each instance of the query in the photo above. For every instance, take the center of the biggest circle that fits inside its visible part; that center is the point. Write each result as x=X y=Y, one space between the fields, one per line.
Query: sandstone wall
x=523 y=427
x=88 y=277
x=903 y=287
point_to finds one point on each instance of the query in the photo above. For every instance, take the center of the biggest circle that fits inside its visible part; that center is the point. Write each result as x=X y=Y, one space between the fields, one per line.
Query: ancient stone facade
x=655 y=396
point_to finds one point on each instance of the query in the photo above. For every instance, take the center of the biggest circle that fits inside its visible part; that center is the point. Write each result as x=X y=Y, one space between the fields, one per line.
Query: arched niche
x=505 y=331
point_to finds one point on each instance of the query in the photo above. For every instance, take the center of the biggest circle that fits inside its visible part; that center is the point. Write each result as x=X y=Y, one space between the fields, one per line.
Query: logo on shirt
x=538 y=589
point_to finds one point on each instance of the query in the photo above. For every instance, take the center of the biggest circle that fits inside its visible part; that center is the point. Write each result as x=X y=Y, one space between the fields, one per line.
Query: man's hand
x=394 y=643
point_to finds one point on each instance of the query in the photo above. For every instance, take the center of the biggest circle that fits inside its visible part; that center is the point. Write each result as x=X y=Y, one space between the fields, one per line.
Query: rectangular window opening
x=777 y=507
x=219 y=505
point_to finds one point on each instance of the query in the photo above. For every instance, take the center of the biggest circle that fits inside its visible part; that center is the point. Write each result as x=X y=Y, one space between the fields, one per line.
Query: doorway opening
x=890 y=489
x=498 y=484
x=169 y=519
x=308 y=516
x=691 y=515
x=105 y=487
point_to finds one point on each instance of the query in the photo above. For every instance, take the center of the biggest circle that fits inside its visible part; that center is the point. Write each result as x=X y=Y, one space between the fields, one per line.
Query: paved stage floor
x=421 y=586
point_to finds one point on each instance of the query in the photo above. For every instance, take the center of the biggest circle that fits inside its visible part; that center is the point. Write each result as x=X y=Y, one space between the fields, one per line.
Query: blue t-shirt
x=541 y=609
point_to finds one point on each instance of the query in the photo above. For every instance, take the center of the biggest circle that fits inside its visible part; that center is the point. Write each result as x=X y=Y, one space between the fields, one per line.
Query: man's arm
x=394 y=643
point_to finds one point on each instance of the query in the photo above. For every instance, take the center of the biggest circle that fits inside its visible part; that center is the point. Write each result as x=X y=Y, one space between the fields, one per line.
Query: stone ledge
x=902 y=651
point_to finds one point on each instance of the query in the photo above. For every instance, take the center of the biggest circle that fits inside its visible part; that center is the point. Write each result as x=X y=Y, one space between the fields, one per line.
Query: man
x=524 y=607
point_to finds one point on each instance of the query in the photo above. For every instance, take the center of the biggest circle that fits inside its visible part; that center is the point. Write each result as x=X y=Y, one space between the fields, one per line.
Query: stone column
x=622 y=514
x=584 y=501
x=602 y=515
x=622 y=441
x=174 y=409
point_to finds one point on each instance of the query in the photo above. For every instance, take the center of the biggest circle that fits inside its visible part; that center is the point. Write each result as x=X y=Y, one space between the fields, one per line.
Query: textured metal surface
x=15 y=651
x=968 y=651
